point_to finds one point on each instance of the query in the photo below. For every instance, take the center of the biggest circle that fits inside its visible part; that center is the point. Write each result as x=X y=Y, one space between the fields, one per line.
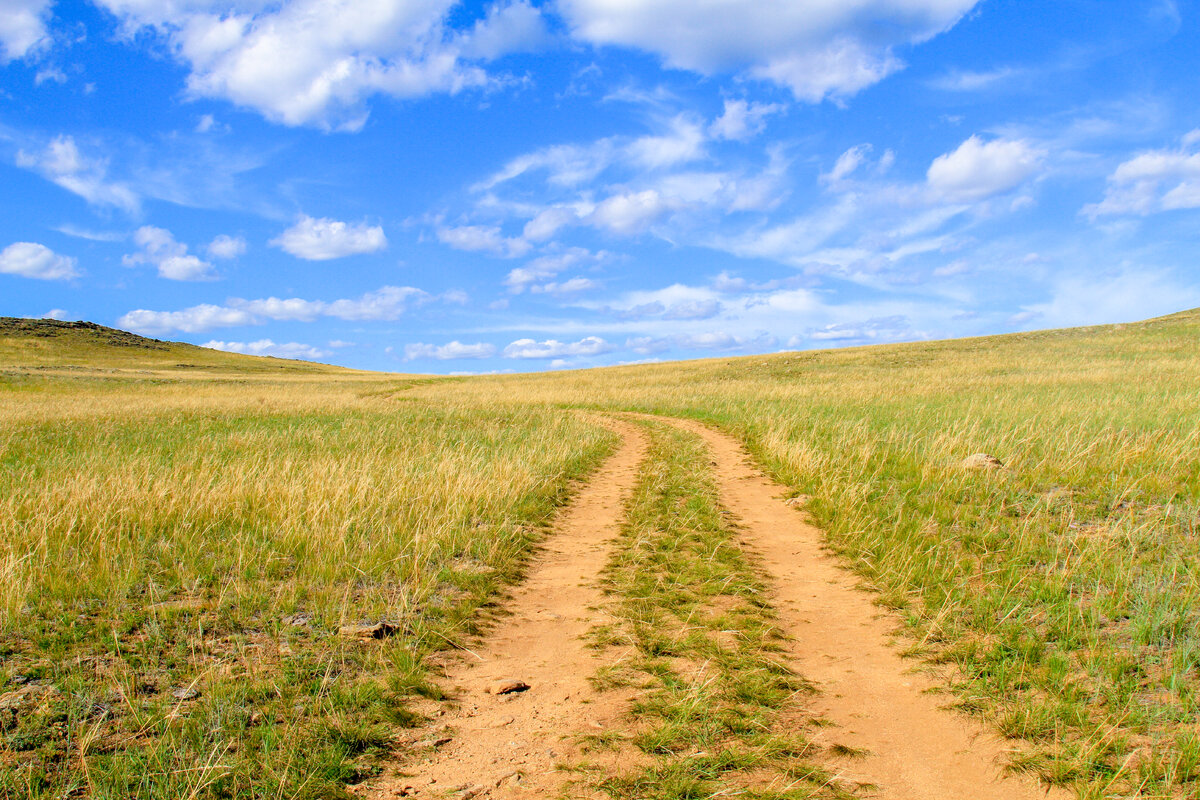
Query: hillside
x=51 y=344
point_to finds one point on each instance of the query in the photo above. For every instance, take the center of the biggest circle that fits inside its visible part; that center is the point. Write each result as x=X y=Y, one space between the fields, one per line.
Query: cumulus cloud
x=61 y=162
x=266 y=347
x=22 y=27
x=1154 y=181
x=169 y=257
x=742 y=120
x=448 y=352
x=483 y=239
x=199 y=318
x=302 y=62
x=979 y=169
x=33 y=260
x=552 y=348
x=630 y=213
x=817 y=49
x=385 y=303
x=226 y=247
x=324 y=239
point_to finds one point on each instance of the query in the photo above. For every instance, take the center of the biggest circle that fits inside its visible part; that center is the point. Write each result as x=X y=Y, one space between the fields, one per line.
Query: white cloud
x=552 y=348
x=33 y=260
x=682 y=142
x=266 y=347
x=448 y=352
x=170 y=257
x=388 y=302
x=302 y=62
x=882 y=329
x=847 y=163
x=190 y=320
x=324 y=239
x=979 y=169
x=385 y=303
x=1157 y=180
x=548 y=222
x=630 y=212
x=546 y=267
x=226 y=247
x=62 y=163
x=483 y=239
x=742 y=120
x=57 y=313
x=960 y=81
x=1130 y=292
x=22 y=27
x=49 y=74
x=571 y=286
x=818 y=49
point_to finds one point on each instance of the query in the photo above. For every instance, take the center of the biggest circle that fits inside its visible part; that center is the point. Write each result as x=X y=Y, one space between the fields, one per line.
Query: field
x=198 y=551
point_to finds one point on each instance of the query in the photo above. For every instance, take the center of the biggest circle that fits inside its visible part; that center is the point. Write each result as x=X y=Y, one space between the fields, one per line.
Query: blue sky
x=434 y=186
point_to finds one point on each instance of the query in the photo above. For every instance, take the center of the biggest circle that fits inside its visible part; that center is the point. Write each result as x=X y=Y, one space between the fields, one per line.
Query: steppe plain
x=226 y=576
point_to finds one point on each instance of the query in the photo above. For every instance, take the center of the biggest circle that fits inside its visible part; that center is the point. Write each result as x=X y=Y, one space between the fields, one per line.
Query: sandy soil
x=507 y=745
x=915 y=750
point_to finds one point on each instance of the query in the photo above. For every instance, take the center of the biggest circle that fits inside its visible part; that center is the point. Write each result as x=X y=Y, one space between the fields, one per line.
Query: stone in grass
x=29 y=695
x=507 y=686
x=981 y=461
x=185 y=693
x=376 y=630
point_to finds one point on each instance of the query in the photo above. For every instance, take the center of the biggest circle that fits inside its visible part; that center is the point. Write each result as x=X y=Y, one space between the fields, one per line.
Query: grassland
x=167 y=529
x=183 y=562
x=1061 y=592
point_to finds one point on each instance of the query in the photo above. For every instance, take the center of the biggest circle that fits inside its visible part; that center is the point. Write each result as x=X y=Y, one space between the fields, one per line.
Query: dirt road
x=508 y=745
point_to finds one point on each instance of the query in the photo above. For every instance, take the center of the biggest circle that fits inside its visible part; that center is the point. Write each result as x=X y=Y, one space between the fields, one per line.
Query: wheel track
x=502 y=746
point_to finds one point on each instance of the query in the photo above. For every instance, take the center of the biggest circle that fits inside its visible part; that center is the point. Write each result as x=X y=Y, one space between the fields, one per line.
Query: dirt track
x=507 y=746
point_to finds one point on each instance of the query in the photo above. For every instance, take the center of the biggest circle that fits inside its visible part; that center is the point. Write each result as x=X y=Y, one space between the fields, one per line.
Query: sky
x=458 y=187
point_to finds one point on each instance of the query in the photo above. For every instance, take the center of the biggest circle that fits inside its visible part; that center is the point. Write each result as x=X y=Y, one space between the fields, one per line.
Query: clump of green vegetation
x=180 y=585
x=715 y=710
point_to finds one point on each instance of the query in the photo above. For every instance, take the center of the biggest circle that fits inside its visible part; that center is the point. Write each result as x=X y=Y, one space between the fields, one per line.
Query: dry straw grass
x=156 y=538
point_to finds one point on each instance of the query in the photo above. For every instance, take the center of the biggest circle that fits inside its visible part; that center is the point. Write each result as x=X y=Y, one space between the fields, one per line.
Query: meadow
x=184 y=544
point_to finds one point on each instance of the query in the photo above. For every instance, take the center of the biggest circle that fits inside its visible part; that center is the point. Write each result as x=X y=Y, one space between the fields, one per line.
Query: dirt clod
x=376 y=630
x=508 y=686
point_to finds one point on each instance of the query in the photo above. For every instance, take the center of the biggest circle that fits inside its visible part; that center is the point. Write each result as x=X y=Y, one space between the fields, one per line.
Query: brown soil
x=914 y=749
x=508 y=745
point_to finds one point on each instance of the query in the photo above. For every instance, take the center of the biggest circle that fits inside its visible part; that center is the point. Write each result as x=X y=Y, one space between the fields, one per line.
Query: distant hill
x=50 y=344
